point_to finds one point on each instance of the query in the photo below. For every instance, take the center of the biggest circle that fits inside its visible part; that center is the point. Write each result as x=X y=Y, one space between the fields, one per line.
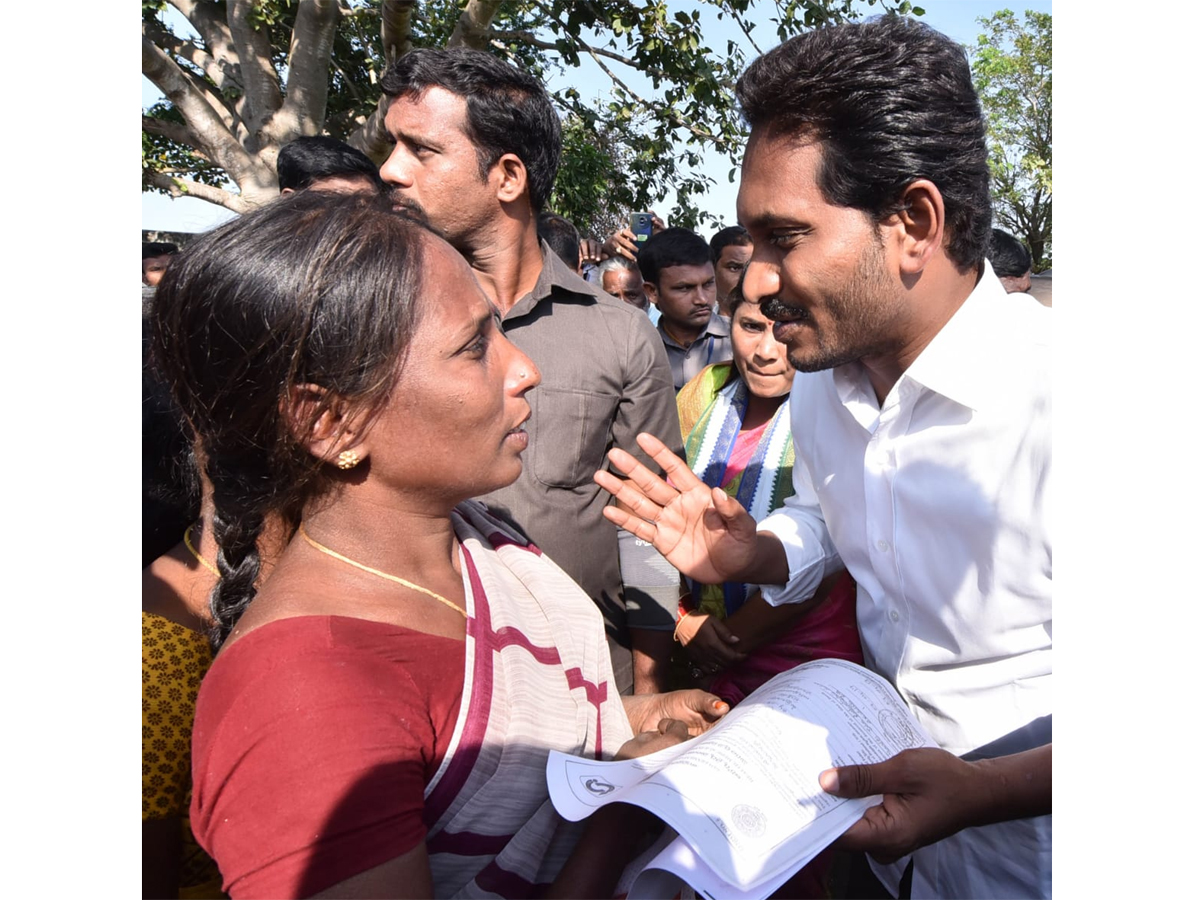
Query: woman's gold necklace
x=395 y=578
x=187 y=542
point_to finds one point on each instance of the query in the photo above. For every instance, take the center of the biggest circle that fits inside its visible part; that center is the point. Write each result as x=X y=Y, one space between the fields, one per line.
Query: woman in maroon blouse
x=377 y=720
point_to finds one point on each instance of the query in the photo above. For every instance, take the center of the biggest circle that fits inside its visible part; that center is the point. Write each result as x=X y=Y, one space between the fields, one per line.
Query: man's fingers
x=635 y=525
x=682 y=477
x=649 y=484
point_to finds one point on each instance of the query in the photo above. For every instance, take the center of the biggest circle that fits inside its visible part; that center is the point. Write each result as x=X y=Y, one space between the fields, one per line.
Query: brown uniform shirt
x=605 y=378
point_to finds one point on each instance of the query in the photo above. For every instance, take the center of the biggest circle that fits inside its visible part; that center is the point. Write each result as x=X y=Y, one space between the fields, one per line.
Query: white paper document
x=744 y=797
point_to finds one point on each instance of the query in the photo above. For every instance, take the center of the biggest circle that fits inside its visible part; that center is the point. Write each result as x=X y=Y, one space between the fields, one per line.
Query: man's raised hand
x=702 y=532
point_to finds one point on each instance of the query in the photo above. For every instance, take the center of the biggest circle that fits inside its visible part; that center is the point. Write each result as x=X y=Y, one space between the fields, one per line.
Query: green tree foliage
x=1012 y=69
x=243 y=77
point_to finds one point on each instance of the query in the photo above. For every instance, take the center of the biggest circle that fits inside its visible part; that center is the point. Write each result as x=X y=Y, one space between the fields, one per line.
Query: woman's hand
x=697 y=710
x=702 y=532
x=668 y=733
x=709 y=643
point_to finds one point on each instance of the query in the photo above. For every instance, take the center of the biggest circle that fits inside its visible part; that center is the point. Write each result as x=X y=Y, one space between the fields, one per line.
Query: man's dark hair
x=150 y=249
x=890 y=101
x=309 y=159
x=671 y=247
x=508 y=111
x=1009 y=257
x=734 y=234
x=562 y=237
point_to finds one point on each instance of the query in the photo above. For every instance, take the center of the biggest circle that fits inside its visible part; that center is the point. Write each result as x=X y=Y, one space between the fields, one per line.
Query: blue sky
x=956 y=18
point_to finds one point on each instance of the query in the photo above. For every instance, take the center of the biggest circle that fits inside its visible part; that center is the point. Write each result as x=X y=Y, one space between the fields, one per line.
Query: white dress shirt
x=938 y=503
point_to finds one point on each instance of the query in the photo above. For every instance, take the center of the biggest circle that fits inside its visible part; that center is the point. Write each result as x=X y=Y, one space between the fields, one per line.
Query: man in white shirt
x=921 y=422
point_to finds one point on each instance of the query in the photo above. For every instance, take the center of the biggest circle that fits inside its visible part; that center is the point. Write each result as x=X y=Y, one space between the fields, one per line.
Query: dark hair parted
x=508 y=111
x=316 y=288
x=734 y=235
x=1009 y=257
x=562 y=236
x=671 y=247
x=890 y=101
x=309 y=159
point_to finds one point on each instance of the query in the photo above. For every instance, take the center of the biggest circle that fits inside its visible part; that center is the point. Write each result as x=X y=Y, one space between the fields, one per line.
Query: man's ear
x=319 y=422
x=919 y=228
x=651 y=290
x=286 y=191
x=513 y=179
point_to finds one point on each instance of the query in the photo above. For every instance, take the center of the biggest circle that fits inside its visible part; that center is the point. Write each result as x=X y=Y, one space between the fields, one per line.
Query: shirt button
x=883 y=546
x=895 y=616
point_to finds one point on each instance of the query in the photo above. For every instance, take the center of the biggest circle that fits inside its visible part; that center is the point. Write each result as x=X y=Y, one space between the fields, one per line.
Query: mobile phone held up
x=640 y=223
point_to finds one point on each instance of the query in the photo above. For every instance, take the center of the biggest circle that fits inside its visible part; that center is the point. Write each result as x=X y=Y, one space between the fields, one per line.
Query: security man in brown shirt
x=477 y=149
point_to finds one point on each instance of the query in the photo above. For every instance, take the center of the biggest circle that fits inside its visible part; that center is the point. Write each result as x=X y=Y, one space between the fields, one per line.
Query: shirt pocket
x=570 y=435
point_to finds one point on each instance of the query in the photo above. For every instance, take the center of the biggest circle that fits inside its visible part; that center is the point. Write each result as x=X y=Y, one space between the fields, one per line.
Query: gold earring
x=348 y=459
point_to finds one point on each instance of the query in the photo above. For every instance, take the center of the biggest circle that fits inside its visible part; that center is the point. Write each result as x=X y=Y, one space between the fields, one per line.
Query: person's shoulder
x=707 y=382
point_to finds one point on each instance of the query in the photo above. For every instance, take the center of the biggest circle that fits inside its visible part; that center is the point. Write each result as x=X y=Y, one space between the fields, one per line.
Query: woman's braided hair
x=314 y=289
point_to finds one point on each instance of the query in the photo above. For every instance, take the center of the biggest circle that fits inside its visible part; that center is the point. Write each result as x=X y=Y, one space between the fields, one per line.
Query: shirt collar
x=554 y=274
x=718 y=326
x=966 y=361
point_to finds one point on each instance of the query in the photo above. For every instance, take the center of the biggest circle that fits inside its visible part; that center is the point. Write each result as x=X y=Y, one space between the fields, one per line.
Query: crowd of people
x=435 y=485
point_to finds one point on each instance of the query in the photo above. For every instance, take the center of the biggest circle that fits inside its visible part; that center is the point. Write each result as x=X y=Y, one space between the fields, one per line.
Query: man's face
x=434 y=168
x=820 y=271
x=730 y=264
x=685 y=295
x=626 y=284
x=153 y=269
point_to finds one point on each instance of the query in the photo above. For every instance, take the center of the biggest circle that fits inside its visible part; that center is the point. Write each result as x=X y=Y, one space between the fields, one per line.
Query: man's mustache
x=778 y=311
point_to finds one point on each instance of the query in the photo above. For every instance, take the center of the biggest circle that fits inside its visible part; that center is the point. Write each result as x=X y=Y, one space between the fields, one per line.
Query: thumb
x=851 y=781
x=733 y=514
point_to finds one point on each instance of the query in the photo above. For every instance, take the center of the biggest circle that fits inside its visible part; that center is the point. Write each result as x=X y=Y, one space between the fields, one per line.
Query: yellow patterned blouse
x=174 y=660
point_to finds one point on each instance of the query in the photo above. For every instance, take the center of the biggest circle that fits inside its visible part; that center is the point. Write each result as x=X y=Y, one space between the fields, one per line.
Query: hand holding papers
x=744 y=798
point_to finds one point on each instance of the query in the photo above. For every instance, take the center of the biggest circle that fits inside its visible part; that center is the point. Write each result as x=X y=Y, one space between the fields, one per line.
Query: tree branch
x=210 y=131
x=746 y=31
x=472 y=25
x=528 y=37
x=214 y=139
x=172 y=131
x=213 y=30
x=669 y=112
x=222 y=73
x=303 y=111
x=395 y=27
x=372 y=137
x=253 y=47
x=183 y=187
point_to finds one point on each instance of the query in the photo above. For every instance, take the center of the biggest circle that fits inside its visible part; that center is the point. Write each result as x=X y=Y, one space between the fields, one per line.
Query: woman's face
x=452 y=426
x=760 y=359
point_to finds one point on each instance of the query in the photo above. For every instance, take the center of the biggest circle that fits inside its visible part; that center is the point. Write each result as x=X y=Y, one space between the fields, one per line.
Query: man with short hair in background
x=677 y=269
x=323 y=163
x=731 y=248
x=477 y=149
x=562 y=237
x=1011 y=261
